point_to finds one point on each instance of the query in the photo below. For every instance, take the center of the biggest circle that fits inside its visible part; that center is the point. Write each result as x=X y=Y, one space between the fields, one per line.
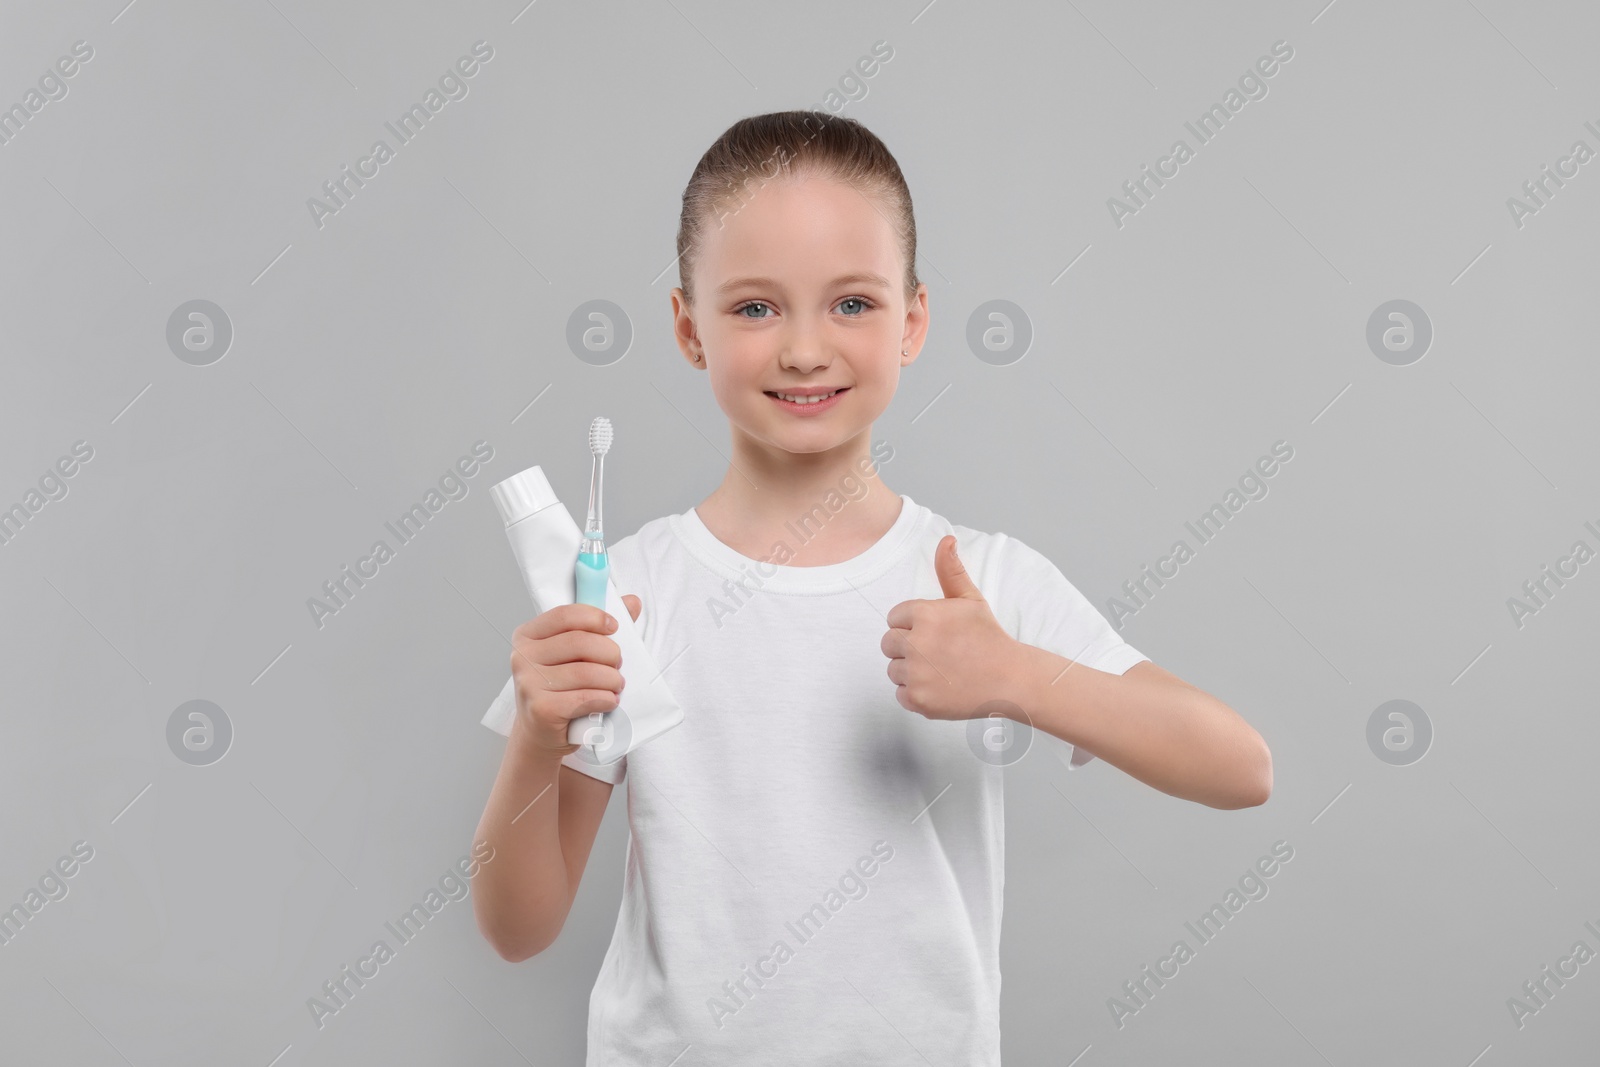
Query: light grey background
x=369 y=354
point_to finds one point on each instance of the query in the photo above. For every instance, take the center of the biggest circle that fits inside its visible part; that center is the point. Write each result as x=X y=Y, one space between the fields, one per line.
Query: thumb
x=953 y=577
x=632 y=603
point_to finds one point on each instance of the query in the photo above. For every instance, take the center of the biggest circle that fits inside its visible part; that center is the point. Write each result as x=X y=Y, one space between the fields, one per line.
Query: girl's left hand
x=948 y=658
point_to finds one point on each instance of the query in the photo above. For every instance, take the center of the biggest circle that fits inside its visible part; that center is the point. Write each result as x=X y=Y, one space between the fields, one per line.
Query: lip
x=816 y=408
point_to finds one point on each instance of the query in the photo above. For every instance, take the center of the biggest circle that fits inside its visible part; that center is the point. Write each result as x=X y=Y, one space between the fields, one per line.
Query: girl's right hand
x=565 y=666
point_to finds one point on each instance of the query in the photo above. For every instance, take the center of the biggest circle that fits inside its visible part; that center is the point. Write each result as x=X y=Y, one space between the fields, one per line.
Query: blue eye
x=854 y=300
x=748 y=307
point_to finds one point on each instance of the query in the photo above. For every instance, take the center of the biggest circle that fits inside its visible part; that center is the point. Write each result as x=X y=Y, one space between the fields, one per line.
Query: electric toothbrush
x=594 y=567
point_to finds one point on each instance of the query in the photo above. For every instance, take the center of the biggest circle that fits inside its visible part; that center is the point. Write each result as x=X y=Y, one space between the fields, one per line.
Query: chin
x=805 y=443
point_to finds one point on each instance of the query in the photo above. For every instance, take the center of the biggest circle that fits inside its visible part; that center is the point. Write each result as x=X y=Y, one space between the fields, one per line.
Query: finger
x=953 y=577
x=566 y=617
x=575 y=677
x=573 y=645
x=588 y=702
x=900 y=615
x=899 y=672
x=633 y=605
x=893 y=644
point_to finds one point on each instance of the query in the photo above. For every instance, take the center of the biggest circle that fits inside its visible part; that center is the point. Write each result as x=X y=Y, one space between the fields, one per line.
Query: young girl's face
x=802 y=289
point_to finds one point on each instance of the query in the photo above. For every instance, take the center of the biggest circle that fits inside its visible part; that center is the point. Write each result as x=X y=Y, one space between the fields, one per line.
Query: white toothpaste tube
x=545 y=541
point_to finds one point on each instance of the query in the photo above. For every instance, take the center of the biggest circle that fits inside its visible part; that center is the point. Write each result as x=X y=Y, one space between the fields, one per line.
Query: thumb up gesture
x=949 y=657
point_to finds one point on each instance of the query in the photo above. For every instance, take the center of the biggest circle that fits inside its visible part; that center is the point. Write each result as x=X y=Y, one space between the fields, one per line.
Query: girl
x=816 y=853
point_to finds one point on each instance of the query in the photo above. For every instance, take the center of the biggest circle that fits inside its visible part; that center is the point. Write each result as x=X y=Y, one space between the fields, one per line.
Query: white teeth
x=805 y=399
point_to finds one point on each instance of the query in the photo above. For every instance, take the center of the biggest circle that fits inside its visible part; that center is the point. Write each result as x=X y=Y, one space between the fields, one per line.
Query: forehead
x=806 y=228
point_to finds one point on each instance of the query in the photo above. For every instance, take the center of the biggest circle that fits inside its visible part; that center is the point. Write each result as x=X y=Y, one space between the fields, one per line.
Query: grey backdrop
x=369 y=353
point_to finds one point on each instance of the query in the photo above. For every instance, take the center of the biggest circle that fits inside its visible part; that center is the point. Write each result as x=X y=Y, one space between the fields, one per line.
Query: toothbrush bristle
x=600 y=436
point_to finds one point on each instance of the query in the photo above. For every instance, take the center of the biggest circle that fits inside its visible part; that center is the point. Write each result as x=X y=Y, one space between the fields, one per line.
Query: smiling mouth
x=796 y=398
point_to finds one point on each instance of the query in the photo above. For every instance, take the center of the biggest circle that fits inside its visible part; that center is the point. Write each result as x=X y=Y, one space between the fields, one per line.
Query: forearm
x=521 y=899
x=1155 y=727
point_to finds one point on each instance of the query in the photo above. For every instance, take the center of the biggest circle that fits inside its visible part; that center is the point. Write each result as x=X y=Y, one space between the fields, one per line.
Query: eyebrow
x=844 y=279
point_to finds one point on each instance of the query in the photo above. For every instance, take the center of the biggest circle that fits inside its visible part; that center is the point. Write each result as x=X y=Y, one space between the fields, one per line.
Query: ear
x=684 y=331
x=916 y=330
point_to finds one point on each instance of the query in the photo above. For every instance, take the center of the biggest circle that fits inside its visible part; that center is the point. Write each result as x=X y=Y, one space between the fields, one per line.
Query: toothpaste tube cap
x=522 y=494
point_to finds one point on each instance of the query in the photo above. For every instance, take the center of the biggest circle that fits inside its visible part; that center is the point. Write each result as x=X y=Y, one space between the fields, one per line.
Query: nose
x=804 y=349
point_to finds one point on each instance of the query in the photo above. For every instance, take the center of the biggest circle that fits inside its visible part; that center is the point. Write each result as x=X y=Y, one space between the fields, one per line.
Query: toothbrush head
x=600 y=436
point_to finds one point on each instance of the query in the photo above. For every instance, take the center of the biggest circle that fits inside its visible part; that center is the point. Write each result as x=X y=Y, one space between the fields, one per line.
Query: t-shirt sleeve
x=606 y=772
x=504 y=709
x=1054 y=616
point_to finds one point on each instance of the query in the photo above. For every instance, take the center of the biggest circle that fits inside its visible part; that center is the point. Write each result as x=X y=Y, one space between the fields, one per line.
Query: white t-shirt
x=814 y=873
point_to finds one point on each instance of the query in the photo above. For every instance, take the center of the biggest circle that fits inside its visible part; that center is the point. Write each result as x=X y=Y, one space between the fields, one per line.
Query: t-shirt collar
x=813 y=581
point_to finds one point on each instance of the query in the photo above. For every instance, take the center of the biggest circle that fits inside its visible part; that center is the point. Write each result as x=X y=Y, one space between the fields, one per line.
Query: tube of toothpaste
x=545 y=541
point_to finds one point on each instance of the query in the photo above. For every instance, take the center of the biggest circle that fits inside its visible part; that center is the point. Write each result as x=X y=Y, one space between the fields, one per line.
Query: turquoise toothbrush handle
x=593 y=571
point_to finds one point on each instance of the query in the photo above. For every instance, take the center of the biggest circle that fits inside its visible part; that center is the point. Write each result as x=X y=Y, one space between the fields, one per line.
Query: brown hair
x=757 y=149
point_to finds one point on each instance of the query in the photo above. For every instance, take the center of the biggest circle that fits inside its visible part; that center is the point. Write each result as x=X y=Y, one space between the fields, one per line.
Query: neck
x=767 y=492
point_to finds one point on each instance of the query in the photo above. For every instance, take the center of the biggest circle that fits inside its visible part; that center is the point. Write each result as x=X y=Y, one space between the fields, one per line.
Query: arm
x=948 y=657
x=1152 y=725
x=541 y=817
x=521 y=898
